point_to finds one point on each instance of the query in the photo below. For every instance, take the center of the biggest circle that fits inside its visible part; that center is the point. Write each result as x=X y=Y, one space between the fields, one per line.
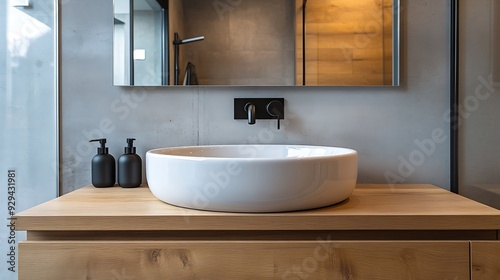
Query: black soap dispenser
x=129 y=167
x=103 y=167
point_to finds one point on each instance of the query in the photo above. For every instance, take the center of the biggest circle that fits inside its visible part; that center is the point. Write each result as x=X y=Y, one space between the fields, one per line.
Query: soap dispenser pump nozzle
x=130 y=149
x=103 y=149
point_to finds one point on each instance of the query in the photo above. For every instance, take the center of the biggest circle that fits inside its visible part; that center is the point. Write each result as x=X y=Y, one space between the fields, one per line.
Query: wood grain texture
x=345 y=27
x=370 y=207
x=485 y=256
x=244 y=260
x=256 y=235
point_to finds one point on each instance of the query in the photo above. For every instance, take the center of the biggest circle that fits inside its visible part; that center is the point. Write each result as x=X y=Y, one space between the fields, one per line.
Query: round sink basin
x=252 y=178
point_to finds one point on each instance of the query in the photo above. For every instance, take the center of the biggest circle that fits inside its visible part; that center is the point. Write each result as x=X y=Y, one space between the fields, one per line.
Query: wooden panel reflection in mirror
x=260 y=43
x=347 y=42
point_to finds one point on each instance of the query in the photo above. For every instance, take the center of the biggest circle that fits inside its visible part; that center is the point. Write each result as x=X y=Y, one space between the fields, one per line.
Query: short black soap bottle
x=129 y=167
x=103 y=167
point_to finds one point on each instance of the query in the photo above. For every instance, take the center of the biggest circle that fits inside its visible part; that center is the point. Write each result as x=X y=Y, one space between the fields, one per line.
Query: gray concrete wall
x=401 y=133
x=246 y=42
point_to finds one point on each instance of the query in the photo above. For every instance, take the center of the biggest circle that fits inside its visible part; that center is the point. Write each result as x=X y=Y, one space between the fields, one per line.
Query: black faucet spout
x=250 y=109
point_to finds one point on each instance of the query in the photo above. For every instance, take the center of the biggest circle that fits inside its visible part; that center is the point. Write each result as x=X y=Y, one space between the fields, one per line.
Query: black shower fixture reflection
x=177 y=42
x=304 y=11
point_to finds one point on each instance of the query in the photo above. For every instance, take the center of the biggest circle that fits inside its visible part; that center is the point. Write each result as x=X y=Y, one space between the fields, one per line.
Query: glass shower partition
x=479 y=96
x=28 y=116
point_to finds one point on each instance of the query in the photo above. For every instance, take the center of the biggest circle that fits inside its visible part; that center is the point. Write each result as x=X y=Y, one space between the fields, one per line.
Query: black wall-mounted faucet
x=250 y=109
x=253 y=109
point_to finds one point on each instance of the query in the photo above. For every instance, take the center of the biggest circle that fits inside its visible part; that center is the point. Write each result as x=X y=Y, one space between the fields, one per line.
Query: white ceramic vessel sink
x=252 y=178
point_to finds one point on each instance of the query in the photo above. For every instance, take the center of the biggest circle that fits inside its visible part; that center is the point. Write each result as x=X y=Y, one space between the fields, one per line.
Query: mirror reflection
x=257 y=42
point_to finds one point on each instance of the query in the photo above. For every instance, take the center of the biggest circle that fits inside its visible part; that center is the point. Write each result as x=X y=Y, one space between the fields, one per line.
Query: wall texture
x=247 y=42
x=401 y=133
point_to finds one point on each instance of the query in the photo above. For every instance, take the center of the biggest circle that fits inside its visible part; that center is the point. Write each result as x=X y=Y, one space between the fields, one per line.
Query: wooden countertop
x=370 y=207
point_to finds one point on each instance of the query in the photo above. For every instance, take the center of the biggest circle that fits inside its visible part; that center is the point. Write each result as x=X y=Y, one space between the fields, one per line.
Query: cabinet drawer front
x=485 y=258
x=294 y=260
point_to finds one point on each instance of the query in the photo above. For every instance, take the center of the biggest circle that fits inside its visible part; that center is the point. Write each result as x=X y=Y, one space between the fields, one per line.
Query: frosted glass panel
x=480 y=101
x=28 y=137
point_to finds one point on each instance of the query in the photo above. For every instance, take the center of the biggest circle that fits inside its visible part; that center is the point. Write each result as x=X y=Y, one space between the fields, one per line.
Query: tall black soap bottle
x=103 y=167
x=129 y=167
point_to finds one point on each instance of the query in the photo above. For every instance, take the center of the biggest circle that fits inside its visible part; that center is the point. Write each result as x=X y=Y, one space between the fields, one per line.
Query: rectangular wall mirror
x=256 y=42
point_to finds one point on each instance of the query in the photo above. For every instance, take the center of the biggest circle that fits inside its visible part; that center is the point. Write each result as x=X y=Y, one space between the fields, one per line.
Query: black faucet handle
x=275 y=108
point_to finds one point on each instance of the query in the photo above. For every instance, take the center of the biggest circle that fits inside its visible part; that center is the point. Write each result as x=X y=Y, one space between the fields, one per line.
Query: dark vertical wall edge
x=454 y=96
x=58 y=90
x=166 y=40
x=304 y=3
x=131 y=54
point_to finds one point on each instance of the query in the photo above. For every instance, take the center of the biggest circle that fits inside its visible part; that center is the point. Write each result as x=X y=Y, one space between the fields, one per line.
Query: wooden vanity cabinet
x=485 y=260
x=405 y=232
